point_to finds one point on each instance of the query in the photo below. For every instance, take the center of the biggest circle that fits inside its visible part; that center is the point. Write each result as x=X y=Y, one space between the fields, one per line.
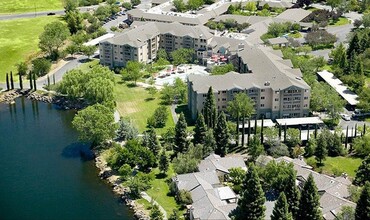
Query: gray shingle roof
x=221 y=164
x=294 y=14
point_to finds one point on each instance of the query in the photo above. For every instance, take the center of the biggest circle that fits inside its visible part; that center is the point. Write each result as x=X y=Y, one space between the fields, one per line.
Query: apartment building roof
x=277 y=4
x=294 y=14
x=241 y=18
x=222 y=164
x=137 y=35
x=331 y=205
x=228 y=43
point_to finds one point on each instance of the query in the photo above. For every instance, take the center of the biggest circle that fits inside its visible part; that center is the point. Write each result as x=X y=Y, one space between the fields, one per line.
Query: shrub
x=125 y=171
x=184 y=197
x=41 y=66
x=278 y=151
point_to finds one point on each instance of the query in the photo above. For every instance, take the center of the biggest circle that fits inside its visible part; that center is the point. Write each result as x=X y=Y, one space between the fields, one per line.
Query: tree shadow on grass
x=160 y=175
x=184 y=109
x=76 y=150
x=149 y=99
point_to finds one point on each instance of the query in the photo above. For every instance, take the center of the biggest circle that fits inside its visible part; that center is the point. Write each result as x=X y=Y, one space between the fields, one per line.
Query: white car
x=345 y=117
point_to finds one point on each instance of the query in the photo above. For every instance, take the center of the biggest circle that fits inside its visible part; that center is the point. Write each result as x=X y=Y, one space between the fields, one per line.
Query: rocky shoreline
x=47 y=97
x=106 y=173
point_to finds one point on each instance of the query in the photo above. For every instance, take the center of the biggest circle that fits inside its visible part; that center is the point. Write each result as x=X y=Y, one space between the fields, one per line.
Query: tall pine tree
x=209 y=143
x=291 y=191
x=181 y=135
x=321 y=150
x=363 y=172
x=309 y=205
x=252 y=199
x=209 y=109
x=363 y=204
x=222 y=135
x=163 y=162
x=281 y=210
x=200 y=130
x=151 y=141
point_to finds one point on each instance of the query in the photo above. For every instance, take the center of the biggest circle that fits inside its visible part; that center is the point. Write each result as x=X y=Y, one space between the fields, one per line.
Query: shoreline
x=107 y=174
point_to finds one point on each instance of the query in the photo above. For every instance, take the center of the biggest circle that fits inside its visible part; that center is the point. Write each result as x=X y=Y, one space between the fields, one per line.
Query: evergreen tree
x=11 y=80
x=363 y=204
x=200 y=130
x=309 y=205
x=7 y=82
x=163 y=162
x=292 y=193
x=281 y=211
x=150 y=141
x=209 y=110
x=174 y=215
x=310 y=148
x=255 y=148
x=155 y=213
x=180 y=135
x=252 y=199
x=321 y=150
x=363 y=172
x=222 y=135
x=209 y=143
x=353 y=46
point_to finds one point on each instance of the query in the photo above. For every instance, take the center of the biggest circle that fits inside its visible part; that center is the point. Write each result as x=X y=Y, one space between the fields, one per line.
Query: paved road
x=44 y=13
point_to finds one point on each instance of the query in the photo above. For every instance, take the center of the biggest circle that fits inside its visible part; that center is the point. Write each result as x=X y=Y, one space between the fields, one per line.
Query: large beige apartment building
x=277 y=89
x=142 y=42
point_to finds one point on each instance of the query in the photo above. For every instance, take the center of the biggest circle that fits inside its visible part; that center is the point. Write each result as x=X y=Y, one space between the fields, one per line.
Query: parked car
x=358 y=113
x=345 y=117
x=50 y=14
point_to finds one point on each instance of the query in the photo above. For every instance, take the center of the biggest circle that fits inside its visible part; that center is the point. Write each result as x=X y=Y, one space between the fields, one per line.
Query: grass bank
x=338 y=165
x=19 y=40
x=23 y=6
x=136 y=103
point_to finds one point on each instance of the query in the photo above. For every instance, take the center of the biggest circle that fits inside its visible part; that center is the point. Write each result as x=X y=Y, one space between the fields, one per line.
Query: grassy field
x=341 y=21
x=160 y=189
x=22 y=6
x=339 y=165
x=19 y=40
x=137 y=104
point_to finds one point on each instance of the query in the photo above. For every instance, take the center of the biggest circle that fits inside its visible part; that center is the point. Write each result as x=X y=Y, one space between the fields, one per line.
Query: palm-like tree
x=241 y=106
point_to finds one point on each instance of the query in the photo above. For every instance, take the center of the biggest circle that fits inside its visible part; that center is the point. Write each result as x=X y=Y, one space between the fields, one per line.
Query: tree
x=361 y=145
x=135 y=2
x=167 y=94
x=346 y=213
x=127 y=5
x=187 y=162
x=252 y=199
x=88 y=50
x=74 y=21
x=222 y=135
x=102 y=12
x=194 y=4
x=151 y=141
x=320 y=37
x=247 y=110
x=363 y=172
x=200 y=130
x=255 y=148
x=180 y=89
x=271 y=136
x=281 y=211
x=72 y=49
x=174 y=215
x=181 y=135
x=182 y=56
x=209 y=109
x=184 y=197
x=53 y=37
x=333 y=3
x=291 y=191
x=222 y=69
x=310 y=148
x=339 y=56
x=95 y=124
x=70 y=5
x=126 y=130
x=209 y=143
x=364 y=98
x=301 y=3
x=159 y=118
x=366 y=20
x=251 y=6
x=292 y=137
x=179 y=5
x=163 y=162
x=41 y=66
x=22 y=68
x=363 y=204
x=309 y=204
x=155 y=213
x=321 y=150
x=132 y=72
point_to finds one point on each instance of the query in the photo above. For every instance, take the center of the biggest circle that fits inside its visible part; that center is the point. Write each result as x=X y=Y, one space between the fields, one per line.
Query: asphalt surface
x=43 y=13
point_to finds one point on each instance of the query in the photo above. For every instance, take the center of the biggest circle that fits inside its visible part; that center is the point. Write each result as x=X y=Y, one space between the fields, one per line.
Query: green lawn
x=295 y=35
x=19 y=40
x=137 y=104
x=22 y=6
x=341 y=21
x=160 y=189
x=339 y=165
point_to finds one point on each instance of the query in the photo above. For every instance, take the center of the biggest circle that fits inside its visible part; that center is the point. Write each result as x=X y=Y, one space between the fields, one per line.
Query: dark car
x=50 y=14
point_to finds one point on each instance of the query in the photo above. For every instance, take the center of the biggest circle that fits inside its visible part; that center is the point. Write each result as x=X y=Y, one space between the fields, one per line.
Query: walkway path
x=145 y=196
x=173 y=113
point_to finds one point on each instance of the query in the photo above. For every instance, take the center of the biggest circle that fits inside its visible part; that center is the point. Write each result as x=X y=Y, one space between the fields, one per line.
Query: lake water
x=44 y=172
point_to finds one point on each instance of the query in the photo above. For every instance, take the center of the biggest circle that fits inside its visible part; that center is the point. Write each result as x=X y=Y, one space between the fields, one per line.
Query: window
x=262 y=105
x=204 y=95
x=262 y=90
x=305 y=105
x=276 y=100
x=224 y=99
x=223 y=92
x=306 y=90
x=305 y=97
x=275 y=107
x=262 y=97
